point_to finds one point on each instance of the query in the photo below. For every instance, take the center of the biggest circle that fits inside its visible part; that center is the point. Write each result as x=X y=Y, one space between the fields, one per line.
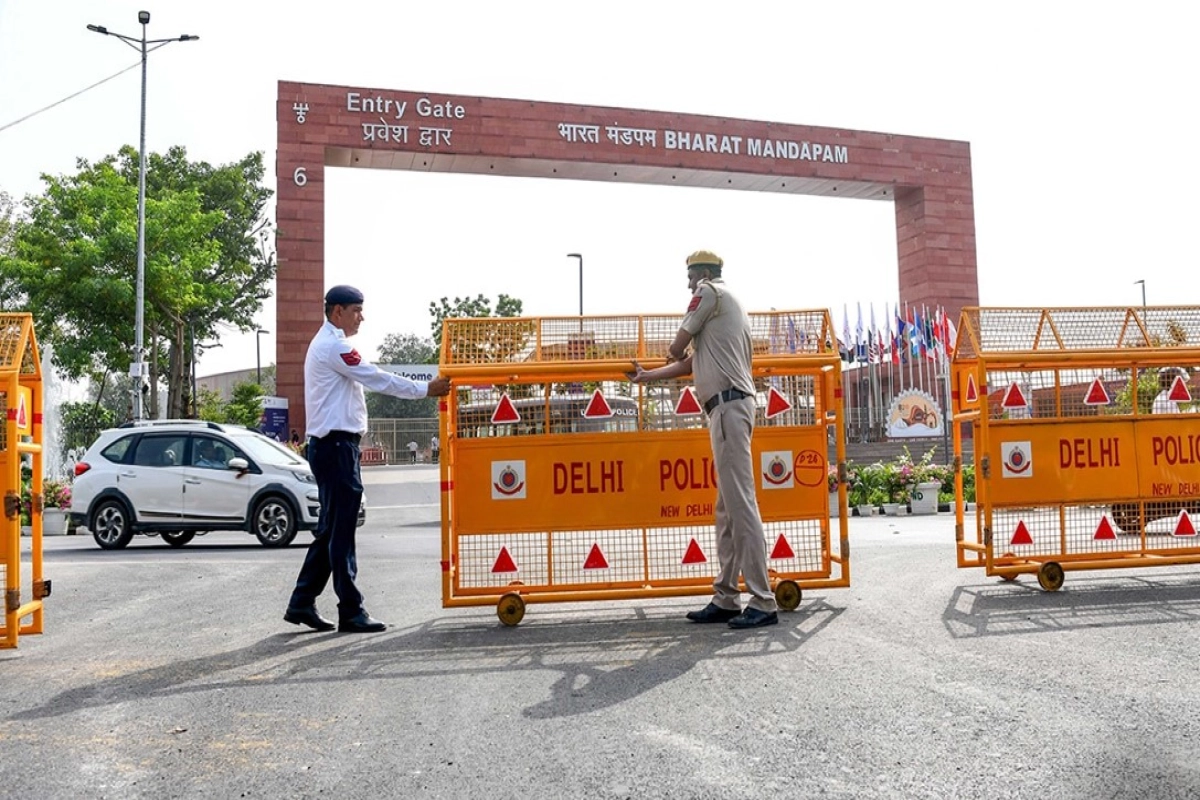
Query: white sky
x=1080 y=118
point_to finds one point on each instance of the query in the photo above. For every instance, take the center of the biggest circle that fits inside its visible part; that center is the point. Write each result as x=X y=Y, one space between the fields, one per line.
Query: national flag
x=846 y=346
x=875 y=347
x=860 y=341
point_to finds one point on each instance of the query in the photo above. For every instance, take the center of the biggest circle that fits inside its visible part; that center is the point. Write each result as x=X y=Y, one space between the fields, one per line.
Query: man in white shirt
x=336 y=408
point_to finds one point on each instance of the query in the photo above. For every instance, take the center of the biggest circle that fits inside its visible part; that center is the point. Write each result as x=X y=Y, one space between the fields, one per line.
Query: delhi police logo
x=508 y=480
x=777 y=470
x=1016 y=458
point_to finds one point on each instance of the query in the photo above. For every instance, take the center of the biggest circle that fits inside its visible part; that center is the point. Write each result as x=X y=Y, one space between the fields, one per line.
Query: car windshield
x=264 y=450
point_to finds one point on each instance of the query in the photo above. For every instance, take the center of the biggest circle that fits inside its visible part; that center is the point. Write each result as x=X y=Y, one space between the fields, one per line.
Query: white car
x=180 y=478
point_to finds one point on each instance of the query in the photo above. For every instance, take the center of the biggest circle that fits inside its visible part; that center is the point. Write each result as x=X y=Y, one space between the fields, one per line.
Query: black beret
x=343 y=296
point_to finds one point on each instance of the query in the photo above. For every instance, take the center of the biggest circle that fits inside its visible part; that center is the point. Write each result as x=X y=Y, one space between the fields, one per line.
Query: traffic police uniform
x=721 y=366
x=336 y=409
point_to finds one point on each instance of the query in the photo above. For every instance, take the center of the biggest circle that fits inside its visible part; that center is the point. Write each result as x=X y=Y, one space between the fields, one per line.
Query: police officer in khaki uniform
x=719 y=331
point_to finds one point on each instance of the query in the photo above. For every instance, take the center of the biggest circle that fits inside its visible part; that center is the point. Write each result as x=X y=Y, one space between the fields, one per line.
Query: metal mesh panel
x=586 y=558
x=1083 y=530
x=1003 y=330
x=1072 y=392
x=809 y=541
x=547 y=409
x=481 y=563
x=669 y=548
x=499 y=340
x=10 y=339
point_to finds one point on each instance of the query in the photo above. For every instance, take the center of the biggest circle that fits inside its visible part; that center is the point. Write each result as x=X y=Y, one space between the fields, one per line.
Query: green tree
x=479 y=306
x=208 y=263
x=83 y=422
x=245 y=407
x=403 y=348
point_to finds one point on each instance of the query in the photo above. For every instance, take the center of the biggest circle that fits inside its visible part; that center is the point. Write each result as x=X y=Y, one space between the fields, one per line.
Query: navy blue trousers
x=334 y=460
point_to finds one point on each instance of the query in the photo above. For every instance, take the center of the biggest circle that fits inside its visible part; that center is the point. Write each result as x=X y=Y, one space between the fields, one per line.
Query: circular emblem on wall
x=1017 y=460
x=777 y=471
x=509 y=481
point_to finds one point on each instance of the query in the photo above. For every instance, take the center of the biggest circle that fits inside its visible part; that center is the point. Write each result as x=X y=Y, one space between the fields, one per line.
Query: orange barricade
x=562 y=481
x=1082 y=461
x=20 y=437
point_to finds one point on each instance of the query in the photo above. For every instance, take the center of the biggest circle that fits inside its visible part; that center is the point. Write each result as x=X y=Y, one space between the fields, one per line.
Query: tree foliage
x=243 y=408
x=208 y=263
x=83 y=422
x=403 y=348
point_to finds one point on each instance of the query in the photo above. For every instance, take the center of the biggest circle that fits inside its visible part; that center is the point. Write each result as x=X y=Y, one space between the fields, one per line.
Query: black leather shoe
x=713 y=613
x=309 y=617
x=362 y=623
x=753 y=618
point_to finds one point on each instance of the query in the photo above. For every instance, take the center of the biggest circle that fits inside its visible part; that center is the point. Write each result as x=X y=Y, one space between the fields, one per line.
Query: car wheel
x=111 y=526
x=273 y=522
x=177 y=538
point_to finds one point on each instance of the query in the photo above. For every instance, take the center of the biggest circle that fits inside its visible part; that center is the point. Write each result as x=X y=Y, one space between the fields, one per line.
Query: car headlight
x=304 y=477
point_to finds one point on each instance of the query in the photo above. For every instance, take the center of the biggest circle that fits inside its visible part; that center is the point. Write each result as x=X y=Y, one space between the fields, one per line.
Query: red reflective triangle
x=505 y=411
x=1104 y=530
x=972 y=391
x=688 y=405
x=782 y=548
x=1097 y=395
x=596 y=559
x=504 y=562
x=598 y=406
x=776 y=403
x=1184 y=526
x=1014 y=398
x=694 y=554
x=1021 y=534
x=1179 y=391
x=22 y=414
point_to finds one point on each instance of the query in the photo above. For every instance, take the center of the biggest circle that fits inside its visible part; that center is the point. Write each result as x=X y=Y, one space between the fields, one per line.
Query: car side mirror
x=240 y=464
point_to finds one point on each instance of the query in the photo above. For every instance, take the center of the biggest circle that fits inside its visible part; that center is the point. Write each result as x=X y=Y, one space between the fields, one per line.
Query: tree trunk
x=178 y=387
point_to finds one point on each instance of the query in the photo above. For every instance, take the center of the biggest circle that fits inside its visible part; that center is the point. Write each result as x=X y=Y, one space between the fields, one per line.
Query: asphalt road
x=170 y=673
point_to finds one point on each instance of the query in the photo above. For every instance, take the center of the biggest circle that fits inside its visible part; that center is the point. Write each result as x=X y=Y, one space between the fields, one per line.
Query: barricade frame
x=1070 y=341
x=543 y=360
x=21 y=377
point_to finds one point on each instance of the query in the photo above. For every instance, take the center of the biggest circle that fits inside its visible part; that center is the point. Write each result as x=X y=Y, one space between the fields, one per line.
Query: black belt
x=336 y=436
x=727 y=396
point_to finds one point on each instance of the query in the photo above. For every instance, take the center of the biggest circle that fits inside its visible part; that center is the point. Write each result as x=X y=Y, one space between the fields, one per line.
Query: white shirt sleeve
x=346 y=361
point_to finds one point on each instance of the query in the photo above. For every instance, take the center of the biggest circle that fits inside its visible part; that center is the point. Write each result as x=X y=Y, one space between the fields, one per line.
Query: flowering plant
x=56 y=494
x=832 y=478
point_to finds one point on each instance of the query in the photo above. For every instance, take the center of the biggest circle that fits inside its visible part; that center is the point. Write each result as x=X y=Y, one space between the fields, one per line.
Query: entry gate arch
x=320 y=126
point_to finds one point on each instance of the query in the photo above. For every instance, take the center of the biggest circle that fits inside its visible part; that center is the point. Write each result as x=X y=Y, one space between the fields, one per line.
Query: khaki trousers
x=741 y=543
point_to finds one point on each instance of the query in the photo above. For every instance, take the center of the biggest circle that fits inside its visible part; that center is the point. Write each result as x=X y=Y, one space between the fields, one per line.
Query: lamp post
x=1143 y=283
x=137 y=367
x=580 y=257
x=258 y=356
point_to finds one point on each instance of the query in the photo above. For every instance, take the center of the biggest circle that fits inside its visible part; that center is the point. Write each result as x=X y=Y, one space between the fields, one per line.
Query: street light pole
x=580 y=257
x=137 y=366
x=1143 y=283
x=258 y=356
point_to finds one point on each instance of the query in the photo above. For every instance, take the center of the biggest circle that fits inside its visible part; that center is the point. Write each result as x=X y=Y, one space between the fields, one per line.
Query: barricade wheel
x=511 y=609
x=1050 y=576
x=787 y=595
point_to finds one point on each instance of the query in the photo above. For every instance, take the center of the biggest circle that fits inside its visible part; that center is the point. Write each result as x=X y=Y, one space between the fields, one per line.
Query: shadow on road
x=602 y=661
x=1022 y=607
